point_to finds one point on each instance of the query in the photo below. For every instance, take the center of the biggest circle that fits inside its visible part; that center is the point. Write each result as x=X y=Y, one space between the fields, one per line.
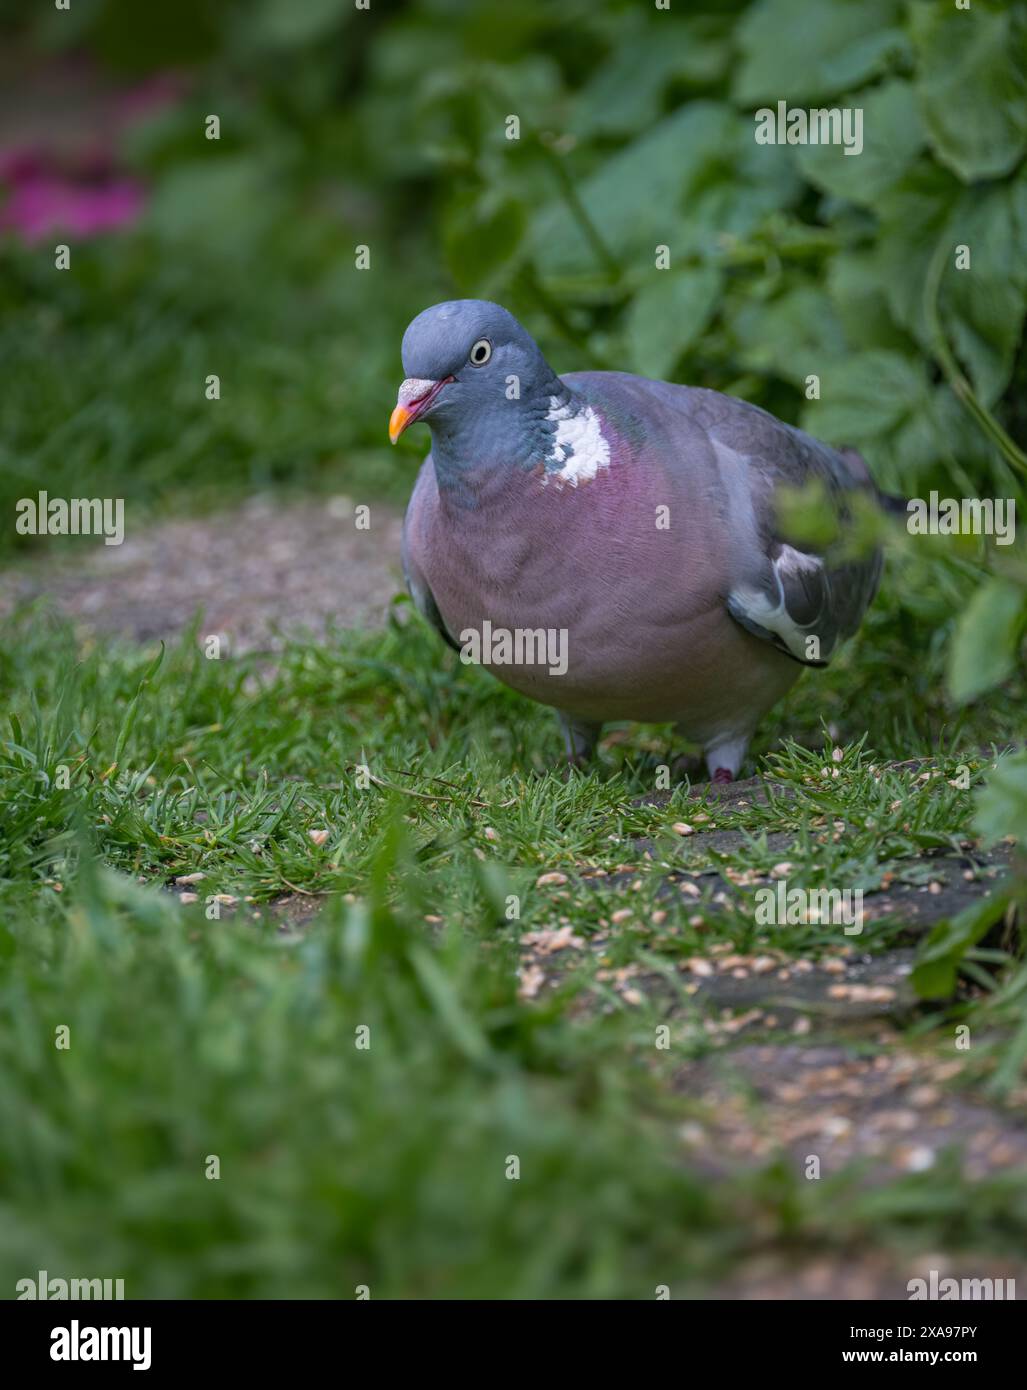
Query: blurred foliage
x=388 y=128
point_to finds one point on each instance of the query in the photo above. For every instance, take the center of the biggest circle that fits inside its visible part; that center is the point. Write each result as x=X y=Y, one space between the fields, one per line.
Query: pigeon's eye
x=481 y=352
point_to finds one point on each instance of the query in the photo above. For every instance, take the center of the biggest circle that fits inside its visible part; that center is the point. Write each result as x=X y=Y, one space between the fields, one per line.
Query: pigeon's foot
x=687 y=766
x=580 y=739
x=725 y=756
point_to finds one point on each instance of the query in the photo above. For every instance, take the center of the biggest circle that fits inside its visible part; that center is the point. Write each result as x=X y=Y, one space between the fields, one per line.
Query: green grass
x=86 y=415
x=237 y=1036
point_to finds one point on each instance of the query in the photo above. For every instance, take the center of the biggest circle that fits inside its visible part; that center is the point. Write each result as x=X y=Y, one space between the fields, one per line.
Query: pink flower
x=41 y=203
x=75 y=186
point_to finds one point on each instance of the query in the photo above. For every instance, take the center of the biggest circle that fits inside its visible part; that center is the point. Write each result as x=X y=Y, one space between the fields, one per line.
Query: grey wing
x=803 y=602
x=417 y=585
x=803 y=605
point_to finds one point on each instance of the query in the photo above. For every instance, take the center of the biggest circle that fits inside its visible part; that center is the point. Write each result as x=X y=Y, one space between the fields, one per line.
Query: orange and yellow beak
x=398 y=421
x=415 y=396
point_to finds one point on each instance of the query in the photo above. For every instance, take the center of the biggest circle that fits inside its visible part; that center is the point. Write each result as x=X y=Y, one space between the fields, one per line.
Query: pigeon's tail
x=887 y=501
x=892 y=505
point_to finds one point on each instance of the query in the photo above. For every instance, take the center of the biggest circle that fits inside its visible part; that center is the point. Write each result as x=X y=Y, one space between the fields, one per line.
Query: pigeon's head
x=465 y=360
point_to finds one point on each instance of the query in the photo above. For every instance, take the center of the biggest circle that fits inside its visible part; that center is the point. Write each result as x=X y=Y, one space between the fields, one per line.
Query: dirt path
x=259 y=574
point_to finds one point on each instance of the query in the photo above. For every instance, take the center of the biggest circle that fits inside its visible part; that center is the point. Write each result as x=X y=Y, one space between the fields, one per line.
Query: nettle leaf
x=942 y=431
x=893 y=136
x=634 y=196
x=623 y=94
x=913 y=214
x=734 y=196
x=804 y=52
x=1002 y=801
x=983 y=307
x=854 y=290
x=972 y=85
x=881 y=403
x=668 y=315
x=984 y=647
x=791 y=336
x=866 y=395
x=695 y=174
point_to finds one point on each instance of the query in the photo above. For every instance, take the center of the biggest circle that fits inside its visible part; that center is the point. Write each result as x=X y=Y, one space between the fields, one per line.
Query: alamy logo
x=950 y=1289
x=77 y=1343
x=43 y=1287
x=522 y=646
x=964 y=516
x=80 y=516
x=820 y=126
x=781 y=906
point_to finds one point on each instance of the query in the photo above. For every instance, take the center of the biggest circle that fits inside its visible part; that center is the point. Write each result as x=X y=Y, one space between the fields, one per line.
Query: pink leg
x=724 y=757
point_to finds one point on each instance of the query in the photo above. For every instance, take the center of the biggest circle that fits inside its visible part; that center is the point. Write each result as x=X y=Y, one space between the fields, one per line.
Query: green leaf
x=1002 y=801
x=893 y=136
x=972 y=86
x=913 y=215
x=791 y=336
x=807 y=515
x=983 y=649
x=668 y=315
x=482 y=237
x=807 y=52
x=866 y=395
x=982 y=307
x=623 y=94
x=858 y=298
x=697 y=177
x=881 y=403
x=940 y=956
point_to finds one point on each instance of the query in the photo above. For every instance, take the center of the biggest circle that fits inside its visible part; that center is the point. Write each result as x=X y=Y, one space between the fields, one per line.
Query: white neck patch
x=579 y=446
